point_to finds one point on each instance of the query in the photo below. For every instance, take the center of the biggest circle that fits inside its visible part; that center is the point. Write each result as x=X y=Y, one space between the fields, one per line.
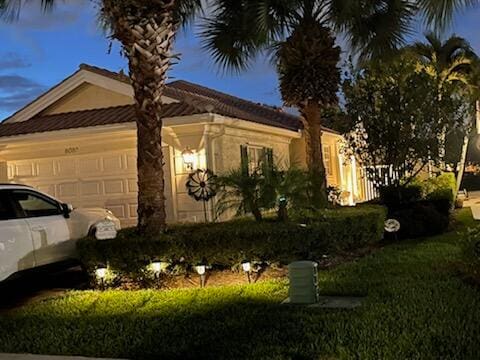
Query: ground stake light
x=201 y=269
x=247 y=267
x=101 y=273
x=158 y=267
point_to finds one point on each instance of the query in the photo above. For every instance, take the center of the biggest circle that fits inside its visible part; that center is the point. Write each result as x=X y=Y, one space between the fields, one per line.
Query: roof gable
x=197 y=96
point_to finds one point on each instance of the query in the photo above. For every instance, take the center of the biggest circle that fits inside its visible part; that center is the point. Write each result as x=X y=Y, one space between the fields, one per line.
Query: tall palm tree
x=302 y=33
x=146 y=29
x=450 y=61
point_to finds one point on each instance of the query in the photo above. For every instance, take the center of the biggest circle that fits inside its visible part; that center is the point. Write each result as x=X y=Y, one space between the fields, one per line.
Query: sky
x=39 y=50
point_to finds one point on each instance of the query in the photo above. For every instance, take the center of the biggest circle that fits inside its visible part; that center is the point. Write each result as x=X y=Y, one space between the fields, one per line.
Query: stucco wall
x=86 y=97
x=298 y=156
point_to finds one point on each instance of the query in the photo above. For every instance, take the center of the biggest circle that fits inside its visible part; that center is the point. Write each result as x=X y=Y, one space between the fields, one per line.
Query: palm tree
x=302 y=34
x=146 y=29
x=449 y=61
x=452 y=61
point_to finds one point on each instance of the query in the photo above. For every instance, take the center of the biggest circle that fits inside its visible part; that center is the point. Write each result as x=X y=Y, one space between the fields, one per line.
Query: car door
x=16 y=247
x=48 y=226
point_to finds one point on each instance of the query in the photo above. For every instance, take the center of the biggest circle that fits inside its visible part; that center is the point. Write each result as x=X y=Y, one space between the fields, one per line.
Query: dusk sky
x=40 y=50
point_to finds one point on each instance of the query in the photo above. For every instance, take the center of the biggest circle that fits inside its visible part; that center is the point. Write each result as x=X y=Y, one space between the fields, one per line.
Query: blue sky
x=40 y=50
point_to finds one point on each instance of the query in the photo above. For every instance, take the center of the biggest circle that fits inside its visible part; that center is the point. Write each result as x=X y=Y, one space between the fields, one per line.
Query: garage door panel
x=45 y=168
x=95 y=180
x=91 y=188
x=66 y=168
x=25 y=169
x=89 y=165
x=115 y=186
x=113 y=164
x=67 y=190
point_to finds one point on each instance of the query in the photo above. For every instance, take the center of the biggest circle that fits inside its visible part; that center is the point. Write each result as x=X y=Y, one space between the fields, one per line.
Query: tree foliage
x=399 y=113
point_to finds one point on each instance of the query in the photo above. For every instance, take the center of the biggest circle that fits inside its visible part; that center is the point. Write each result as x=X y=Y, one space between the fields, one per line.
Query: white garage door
x=107 y=180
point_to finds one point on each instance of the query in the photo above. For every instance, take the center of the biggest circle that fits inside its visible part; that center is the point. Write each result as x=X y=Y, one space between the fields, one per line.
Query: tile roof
x=87 y=118
x=194 y=99
x=223 y=104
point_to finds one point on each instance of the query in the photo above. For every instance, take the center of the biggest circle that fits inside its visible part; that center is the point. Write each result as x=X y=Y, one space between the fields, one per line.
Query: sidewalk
x=44 y=357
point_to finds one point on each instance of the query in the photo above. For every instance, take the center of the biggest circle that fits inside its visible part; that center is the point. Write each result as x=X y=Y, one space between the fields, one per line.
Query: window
x=35 y=205
x=327 y=159
x=6 y=209
x=254 y=158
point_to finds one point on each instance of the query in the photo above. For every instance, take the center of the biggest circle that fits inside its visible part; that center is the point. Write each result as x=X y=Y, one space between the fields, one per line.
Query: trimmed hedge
x=226 y=244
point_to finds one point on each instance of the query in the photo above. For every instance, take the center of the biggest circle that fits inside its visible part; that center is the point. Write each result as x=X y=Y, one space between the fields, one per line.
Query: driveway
x=39 y=285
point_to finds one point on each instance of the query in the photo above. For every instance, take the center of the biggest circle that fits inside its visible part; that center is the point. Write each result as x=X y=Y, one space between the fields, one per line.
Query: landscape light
x=247 y=267
x=101 y=273
x=201 y=269
x=159 y=266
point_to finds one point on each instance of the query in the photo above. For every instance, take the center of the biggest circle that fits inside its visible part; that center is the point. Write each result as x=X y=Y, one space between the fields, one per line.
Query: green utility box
x=303 y=277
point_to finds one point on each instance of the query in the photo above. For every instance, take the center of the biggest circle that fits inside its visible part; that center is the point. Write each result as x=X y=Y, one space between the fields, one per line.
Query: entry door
x=48 y=226
x=16 y=248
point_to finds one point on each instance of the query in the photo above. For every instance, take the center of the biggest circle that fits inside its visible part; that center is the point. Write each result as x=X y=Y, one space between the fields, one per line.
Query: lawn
x=416 y=307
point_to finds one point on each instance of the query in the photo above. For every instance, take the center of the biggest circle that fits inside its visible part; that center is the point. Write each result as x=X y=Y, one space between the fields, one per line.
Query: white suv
x=37 y=230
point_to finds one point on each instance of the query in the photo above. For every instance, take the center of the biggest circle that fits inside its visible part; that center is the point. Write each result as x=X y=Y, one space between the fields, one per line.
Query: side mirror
x=67 y=209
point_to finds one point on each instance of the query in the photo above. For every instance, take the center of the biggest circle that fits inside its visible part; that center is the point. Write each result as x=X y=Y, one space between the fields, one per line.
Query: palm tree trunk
x=311 y=117
x=463 y=159
x=147 y=37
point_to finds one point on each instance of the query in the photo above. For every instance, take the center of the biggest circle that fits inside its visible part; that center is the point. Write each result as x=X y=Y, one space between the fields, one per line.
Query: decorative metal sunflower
x=201 y=185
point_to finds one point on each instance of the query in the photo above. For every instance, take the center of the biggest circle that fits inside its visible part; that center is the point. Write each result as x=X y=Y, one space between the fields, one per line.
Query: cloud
x=16 y=91
x=13 y=60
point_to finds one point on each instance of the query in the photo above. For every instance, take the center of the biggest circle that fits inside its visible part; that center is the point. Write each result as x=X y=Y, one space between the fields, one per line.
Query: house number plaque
x=71 y=150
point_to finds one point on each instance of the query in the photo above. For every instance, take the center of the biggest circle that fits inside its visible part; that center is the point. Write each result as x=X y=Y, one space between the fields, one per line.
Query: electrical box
x=303 y=277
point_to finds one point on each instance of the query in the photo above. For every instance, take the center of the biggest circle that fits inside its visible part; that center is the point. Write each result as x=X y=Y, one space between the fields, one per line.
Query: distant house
x=77 y=142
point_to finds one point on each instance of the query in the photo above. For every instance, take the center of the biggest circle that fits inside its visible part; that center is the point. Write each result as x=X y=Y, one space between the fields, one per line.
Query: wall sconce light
x=201 y=269
x=247 y=267
x=188 y=157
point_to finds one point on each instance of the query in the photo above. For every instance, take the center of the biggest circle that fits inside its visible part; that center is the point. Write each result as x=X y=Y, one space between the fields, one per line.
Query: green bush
x=227 y=244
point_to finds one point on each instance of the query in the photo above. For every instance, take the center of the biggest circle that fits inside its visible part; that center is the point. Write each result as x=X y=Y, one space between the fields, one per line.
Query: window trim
x=22 y=214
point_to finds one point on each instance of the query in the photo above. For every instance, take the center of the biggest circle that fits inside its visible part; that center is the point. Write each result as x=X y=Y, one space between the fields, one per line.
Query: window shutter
x=244 y=159
x=268 y=160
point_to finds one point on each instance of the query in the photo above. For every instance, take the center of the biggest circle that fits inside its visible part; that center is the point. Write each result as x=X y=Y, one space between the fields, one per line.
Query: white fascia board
x=86 y=131
x=250 y=125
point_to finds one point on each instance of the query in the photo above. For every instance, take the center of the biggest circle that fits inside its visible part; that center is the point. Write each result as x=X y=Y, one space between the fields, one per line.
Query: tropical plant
x=146 y=29
x=245 y=193
x=301 y=32
x=452 y=60
x=391 y=105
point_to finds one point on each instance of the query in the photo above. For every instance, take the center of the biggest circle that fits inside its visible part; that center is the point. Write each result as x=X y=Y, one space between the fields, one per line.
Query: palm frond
x=10 y=9
x=439 y=13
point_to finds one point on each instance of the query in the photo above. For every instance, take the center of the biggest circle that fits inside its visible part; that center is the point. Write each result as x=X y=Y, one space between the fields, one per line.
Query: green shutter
x=244 y=159
x=268 y=161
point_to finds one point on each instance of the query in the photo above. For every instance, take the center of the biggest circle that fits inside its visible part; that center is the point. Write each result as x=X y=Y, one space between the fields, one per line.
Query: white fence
x=384 y=175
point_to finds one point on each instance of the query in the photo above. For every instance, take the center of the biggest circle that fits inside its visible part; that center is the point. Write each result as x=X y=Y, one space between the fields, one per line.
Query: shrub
x=226 y=244
x=420 y=219
x=397 y=196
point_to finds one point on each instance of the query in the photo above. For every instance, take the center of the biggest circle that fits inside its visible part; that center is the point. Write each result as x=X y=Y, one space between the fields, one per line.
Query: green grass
x=416 y=307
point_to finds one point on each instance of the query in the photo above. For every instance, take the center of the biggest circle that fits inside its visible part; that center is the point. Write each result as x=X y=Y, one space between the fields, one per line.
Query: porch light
x=188 y=157
x=247 y=267
x=201 y=269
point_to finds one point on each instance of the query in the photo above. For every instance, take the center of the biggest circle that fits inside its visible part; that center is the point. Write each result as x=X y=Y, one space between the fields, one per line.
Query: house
x=77 y=142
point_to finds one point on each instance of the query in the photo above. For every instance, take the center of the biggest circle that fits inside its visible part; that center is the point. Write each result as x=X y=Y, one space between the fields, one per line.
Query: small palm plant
x=245 y=193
